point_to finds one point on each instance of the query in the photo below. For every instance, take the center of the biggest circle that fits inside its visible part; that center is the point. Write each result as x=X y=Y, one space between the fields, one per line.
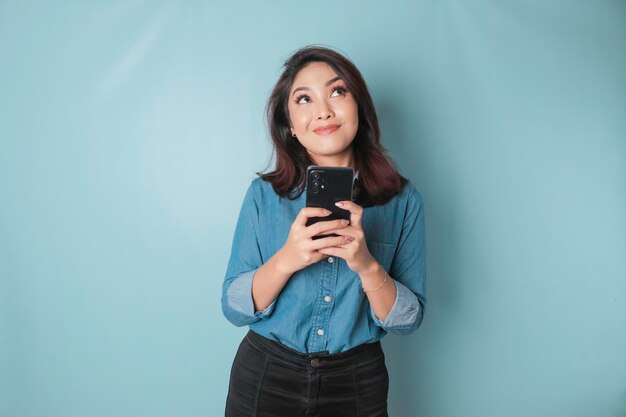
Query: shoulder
x=259 y=190
x=260 y=186
x=410 y=202
x=409 y=194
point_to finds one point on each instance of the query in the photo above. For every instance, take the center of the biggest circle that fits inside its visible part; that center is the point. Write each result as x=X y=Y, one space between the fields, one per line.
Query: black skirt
x=269 y=379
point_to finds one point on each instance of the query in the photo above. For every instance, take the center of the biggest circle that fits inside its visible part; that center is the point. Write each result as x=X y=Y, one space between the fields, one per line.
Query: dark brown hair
x=379 y=180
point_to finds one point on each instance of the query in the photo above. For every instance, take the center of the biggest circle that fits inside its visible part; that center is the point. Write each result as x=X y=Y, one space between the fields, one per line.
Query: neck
x=335 y=160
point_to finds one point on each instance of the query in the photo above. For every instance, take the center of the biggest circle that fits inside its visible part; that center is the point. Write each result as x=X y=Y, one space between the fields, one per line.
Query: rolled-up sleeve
x=245 y=260
x=408 y=269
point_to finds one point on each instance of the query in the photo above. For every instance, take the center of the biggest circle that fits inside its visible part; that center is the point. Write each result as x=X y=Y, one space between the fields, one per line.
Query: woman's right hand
x=300 y=250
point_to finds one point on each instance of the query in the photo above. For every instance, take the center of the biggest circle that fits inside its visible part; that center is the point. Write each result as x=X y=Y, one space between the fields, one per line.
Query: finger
x=308 y=212
x=324 y=226
x=344 y=231
x=338 y=252
x=331 y=241
x=356 y=211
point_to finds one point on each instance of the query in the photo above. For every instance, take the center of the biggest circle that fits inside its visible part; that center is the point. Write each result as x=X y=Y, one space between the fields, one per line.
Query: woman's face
x=324 y=115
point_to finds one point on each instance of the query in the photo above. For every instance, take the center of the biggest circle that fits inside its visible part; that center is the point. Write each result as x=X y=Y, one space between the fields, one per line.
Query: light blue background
x=129 y=132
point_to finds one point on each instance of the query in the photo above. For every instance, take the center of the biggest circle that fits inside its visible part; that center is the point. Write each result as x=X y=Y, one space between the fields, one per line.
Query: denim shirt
x=323 y=307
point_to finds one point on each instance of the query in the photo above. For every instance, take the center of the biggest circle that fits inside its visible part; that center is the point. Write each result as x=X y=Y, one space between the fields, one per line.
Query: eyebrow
x=329 y=82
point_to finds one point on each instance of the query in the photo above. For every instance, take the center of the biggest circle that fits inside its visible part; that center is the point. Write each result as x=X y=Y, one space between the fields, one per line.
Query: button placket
x=321 y=316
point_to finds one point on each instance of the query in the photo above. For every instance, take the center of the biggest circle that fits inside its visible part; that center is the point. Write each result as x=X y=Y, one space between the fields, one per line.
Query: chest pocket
x=383 y=253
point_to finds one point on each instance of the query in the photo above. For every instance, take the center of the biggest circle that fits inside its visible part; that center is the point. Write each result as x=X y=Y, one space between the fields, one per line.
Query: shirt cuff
x=240 y=297
x=403 y=313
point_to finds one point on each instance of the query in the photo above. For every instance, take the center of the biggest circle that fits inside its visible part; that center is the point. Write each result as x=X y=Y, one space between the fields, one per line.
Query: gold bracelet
x=377 y=288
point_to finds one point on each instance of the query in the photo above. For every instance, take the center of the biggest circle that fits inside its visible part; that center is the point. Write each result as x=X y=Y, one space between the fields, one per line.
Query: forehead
x=313 y=75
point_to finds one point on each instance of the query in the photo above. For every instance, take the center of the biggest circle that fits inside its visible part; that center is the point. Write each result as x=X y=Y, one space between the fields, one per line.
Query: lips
x=326 y=130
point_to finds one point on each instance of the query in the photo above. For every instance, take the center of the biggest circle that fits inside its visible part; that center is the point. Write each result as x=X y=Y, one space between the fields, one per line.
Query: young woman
x=317 y=308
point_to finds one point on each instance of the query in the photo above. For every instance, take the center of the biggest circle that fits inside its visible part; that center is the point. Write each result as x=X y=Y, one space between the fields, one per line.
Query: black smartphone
x=324 y=187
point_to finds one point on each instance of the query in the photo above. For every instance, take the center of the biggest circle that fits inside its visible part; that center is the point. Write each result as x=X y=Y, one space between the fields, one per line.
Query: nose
x=324 y=111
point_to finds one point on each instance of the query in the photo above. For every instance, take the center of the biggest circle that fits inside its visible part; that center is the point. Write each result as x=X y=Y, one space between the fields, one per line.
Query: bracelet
x=377 y=288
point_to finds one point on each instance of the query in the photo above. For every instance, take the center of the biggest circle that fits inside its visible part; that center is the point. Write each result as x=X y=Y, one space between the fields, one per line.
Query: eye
x=340 y=89
x=299 y=99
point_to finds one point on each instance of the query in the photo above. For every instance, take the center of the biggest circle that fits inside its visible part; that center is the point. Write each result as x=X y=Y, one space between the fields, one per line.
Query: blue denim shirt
x=323 y=307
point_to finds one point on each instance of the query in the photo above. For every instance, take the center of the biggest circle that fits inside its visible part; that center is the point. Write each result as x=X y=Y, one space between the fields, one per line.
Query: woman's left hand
x=356 y=254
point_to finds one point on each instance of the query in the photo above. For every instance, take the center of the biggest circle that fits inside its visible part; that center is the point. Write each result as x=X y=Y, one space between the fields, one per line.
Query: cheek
x=299 y=119
x=350 y=113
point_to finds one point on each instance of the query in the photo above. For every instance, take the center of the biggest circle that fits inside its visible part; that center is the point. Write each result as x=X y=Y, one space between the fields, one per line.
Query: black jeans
x=269 y=379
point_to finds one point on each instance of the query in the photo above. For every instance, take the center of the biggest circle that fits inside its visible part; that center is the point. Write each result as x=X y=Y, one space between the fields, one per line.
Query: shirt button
x=327 y=298
x=331 y=259
x=320 y=332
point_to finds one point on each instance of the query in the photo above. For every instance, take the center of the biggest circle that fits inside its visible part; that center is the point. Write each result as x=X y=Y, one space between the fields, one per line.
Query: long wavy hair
x=379 y=179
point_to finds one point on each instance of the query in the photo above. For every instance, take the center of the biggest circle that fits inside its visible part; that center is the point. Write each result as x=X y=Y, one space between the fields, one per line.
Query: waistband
x=361 y=354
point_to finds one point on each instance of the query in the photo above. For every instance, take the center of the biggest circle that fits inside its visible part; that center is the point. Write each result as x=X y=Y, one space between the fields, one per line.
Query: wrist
x=372 y=269
x=373 y=278
x=281 y=264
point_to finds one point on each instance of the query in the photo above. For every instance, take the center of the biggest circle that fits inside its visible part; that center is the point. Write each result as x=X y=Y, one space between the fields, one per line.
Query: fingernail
x=339 y=204
x=345 y=222
x=349 y=238
x=327 y=211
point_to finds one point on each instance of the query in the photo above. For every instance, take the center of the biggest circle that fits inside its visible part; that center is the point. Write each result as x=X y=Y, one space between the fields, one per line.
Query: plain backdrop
x=130 y=130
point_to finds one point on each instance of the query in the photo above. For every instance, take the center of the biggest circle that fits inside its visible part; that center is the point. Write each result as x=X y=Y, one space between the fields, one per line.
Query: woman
x=317 y=308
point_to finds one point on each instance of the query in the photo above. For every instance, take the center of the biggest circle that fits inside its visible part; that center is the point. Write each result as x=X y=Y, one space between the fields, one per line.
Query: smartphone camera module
x=316 y=182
